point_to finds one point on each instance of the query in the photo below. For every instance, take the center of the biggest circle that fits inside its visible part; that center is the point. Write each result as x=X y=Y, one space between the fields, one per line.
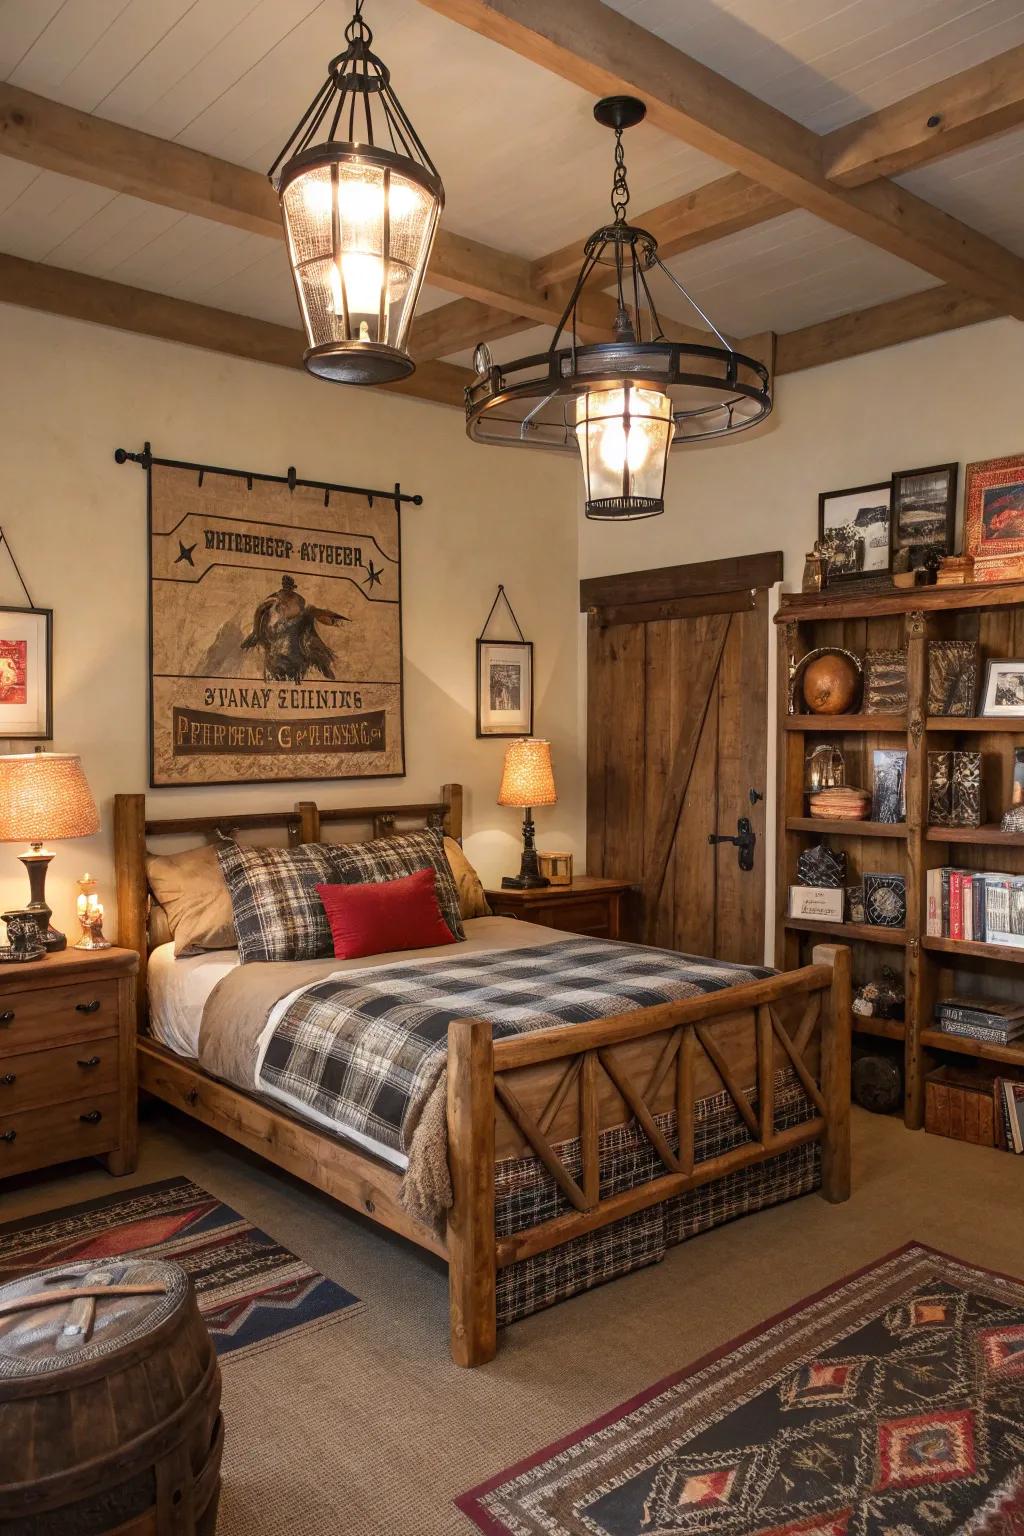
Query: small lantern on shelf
x=90 y=915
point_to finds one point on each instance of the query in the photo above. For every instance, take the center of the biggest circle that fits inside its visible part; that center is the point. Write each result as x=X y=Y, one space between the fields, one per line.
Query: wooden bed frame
x=526 y=1094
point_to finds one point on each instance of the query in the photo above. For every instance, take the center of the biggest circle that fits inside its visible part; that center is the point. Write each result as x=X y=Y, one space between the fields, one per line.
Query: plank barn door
x=677 y=737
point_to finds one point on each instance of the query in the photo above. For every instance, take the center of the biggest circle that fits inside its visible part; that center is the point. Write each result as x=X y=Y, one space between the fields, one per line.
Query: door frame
x=727 y=585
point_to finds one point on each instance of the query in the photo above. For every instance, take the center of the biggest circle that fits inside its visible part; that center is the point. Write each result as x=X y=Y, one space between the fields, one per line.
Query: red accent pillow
x=379 y=916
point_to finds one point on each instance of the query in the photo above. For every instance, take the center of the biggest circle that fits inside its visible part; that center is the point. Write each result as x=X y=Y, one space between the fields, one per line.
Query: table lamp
x=527 y=780
x=44 y=795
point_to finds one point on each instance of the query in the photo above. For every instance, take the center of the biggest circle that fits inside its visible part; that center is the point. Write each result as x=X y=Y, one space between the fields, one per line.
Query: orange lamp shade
x=528 y=778
x=45 y=795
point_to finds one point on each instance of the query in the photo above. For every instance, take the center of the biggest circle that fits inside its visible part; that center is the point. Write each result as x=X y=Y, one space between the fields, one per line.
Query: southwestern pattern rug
x=252 y=1291
x=891 y=1404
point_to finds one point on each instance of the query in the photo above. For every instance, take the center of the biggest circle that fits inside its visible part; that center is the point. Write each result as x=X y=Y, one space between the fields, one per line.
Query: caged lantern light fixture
x=360 y=208
x=622 y=404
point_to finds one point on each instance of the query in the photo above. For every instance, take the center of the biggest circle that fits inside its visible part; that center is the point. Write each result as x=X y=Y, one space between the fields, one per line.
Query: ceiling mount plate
x=620 y=112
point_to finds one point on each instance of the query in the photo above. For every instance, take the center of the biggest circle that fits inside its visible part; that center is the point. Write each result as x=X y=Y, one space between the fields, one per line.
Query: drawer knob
x=87 y=1007
x=7 y=1017
x=7 y=1079
x=8 y=1135
x=93 y=1117
x=93 y=1061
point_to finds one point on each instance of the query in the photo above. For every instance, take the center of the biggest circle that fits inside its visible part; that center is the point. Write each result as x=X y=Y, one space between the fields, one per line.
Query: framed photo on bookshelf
x=994 y=518
x=855 y=531
x=923 y=514
x=889 y=786
x=1004 y=689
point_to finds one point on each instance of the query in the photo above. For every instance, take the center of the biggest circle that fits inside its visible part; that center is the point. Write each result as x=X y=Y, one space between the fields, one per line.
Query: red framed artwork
x=994 y=518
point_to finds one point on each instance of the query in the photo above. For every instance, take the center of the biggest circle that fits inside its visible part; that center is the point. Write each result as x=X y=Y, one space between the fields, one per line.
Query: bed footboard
x=535 y=1091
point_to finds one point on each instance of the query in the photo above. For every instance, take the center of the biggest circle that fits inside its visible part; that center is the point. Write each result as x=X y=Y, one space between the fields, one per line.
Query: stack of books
x=980 y=1018
x=975 y=906
x=1013 y=1113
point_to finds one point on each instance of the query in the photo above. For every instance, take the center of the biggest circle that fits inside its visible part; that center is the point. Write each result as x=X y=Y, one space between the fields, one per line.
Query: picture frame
x=504 y=688
x=994 y=517
x=817 y=903
x=889 y=786
x=885 y=900
x=855 y=523
x=1017 y=793
x=952 y=677
x=1003 y=694
x=923 y=514
x=26 y=674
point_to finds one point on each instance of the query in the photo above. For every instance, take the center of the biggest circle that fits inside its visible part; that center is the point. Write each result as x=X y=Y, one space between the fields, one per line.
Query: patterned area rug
x=251 y=1290
x=890 y=1405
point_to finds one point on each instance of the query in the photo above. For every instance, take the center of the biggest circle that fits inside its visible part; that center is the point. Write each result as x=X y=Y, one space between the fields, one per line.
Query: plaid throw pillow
x=278 y=914
x=389 y=858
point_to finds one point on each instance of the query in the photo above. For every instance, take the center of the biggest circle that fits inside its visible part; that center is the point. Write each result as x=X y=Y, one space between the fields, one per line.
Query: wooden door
x=677 y=738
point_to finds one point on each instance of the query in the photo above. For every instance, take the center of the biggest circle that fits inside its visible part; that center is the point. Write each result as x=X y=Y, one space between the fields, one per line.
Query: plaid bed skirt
x=528 y=1195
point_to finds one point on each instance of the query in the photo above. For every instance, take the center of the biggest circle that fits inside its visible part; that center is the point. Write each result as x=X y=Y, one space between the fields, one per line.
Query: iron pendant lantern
x=623 y=404
x=361 y=207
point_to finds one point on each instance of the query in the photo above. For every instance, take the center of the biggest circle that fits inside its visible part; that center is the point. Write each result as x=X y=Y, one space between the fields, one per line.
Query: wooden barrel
x=109 y=1403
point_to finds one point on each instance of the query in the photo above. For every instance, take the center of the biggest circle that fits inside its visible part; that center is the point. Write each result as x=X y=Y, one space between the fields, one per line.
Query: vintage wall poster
x=275 y=629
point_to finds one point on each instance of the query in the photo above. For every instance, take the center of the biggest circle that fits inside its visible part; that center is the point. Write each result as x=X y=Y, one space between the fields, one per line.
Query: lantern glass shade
x=359 y=226
x=624 y=436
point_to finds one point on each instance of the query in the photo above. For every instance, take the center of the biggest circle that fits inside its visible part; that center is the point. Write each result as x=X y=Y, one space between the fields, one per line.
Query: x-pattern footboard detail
x=634 y=1068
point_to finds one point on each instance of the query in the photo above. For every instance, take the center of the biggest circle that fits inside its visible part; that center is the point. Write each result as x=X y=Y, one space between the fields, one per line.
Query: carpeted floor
x=369 y=1429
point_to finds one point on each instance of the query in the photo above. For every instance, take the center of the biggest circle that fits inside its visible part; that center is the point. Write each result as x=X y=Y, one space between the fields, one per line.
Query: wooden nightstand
x=67 y=1060
x=590 y=905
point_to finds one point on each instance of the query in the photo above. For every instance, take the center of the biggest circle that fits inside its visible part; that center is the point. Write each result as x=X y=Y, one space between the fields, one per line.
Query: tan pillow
x=472 y=901
x=191 y=889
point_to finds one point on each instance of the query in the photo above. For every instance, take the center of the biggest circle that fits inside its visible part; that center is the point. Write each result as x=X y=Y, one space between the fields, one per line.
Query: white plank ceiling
x=525 y=167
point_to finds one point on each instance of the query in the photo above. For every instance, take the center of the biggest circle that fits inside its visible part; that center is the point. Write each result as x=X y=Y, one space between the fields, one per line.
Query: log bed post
x=130 y=873
x=472 y=1257
x=836 y=1032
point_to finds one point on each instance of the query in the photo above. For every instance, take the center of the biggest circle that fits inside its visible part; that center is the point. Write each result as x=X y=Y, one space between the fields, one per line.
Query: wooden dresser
x=67 y=1060
x=590 y=905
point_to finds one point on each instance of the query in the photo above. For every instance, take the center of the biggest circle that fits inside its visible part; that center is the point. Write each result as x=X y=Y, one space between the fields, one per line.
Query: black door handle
x=93 y=1061
x=87 y=1007
x=745 y=840
x=93 y=1117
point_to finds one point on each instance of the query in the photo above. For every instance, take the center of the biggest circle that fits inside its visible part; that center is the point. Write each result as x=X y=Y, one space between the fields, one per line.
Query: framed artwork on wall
x=855 y=532
x=26 y=674
x=923 y=514
x=1004 y=688
x=504 y=688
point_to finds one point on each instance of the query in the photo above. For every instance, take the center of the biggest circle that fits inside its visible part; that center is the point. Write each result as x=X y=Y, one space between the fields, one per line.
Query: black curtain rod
x=291 y=480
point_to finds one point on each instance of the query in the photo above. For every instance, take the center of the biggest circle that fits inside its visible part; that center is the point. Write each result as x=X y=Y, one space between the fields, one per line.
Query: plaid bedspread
x=367 y=1048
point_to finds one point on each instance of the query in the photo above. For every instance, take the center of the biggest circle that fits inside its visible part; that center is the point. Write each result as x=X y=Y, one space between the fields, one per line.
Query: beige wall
x=72 y=393
x=946 y=398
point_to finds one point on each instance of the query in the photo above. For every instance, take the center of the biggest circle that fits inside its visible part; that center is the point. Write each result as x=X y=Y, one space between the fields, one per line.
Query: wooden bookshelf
x=932 y=968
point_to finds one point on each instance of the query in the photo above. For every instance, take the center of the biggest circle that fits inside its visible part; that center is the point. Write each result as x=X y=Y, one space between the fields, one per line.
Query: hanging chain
x=620 y=187
x=357 y=27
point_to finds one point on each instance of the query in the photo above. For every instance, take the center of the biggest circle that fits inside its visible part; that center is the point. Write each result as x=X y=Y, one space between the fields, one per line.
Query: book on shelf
x=974 y=906
x=981 y=1032
x=993 y=1012
x=1013 y=1113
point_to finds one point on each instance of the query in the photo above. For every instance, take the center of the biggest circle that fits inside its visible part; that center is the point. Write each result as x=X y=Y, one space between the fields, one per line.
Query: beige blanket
x=238 y=1007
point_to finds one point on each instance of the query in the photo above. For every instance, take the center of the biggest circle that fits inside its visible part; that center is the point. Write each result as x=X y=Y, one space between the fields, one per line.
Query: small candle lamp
x=90 y=915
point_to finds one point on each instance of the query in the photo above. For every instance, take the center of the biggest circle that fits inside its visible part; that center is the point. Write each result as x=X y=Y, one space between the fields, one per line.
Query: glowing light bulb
x=624 y=436
x=316 y=195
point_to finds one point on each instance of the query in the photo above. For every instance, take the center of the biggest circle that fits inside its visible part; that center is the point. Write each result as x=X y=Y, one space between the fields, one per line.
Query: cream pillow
x=472 y=901
x=190 y=888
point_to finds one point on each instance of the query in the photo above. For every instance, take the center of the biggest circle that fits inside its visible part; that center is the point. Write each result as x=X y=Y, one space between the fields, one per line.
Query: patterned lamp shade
x=45 y=795
x=527 y=779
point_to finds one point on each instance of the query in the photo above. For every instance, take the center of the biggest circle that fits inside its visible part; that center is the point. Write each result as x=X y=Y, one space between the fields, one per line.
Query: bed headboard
x=304 y=824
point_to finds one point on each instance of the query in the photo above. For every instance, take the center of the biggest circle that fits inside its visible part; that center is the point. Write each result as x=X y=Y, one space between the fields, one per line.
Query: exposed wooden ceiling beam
x=35 y=285
x=883 y=325
x=603 y=52
x=952 y=115
x=454 y=327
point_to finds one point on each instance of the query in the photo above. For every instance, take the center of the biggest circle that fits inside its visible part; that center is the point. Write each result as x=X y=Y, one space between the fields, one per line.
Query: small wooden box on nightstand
x=67 y=1060
x=590 y=905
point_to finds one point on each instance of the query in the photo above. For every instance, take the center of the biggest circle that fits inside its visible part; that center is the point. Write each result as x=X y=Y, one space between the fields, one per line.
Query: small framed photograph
x=1004 y=688
x=923 y=514
x=504 y=688
x=889 y=786
x=885 y=901
x=26 y=676
x=855 y=532
x=994 y=510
